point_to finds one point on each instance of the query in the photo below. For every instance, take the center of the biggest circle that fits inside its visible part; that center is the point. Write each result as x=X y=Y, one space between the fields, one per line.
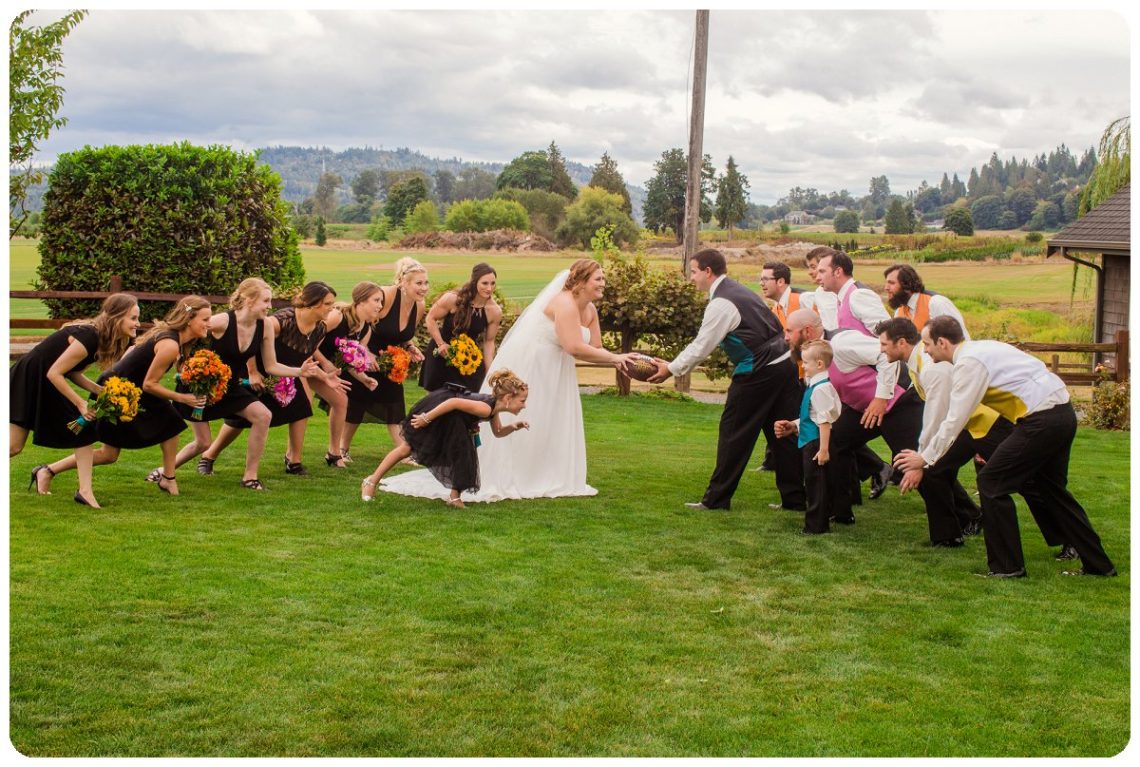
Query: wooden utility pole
x=696 y=140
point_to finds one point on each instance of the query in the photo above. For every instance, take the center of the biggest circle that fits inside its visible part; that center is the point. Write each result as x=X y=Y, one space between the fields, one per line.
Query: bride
x=548 y=460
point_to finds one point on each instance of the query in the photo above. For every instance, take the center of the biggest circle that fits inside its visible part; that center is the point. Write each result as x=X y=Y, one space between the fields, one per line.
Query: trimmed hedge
x=167 y=219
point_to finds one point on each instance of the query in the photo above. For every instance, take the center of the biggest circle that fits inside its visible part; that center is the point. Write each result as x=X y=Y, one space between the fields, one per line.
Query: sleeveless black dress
x=292 y=348
x=237 y=397
x=446 y=446
x=38 y=406
x=328 y=348
x=436 y=372
x=386 y=403
x=157 y=420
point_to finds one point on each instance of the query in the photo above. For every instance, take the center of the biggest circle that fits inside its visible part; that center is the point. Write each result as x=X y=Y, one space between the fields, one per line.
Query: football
x=641 y=368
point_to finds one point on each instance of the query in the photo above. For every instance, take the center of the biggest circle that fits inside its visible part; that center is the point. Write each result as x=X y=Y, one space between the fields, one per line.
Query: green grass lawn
x=304 y=622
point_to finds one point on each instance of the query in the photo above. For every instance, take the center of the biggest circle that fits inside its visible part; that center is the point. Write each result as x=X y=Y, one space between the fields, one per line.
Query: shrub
x=546 y=209
x=422 y=218
x=1034 y=237
x=960 y=221
x=1110 y=406
x=847 y=221
x=169 y=219
x=380 y=228
x=322 y=234
x=595 y=208
x=486 y=215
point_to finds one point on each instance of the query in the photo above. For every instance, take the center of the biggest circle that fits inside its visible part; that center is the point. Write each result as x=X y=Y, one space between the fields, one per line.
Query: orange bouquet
x=205 y=375
x=394 y=361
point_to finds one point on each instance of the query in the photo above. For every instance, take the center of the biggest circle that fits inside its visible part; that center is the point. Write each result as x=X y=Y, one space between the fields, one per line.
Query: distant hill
x=301 y=167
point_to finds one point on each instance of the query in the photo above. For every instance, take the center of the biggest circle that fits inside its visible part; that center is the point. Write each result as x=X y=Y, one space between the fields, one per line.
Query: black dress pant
x=754 y=403
x=1034 y=459
x=900 y=428
x=819 y=512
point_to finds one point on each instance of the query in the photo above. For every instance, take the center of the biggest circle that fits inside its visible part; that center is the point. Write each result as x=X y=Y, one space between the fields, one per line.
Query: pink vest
x=857 y=388
x=848 y=320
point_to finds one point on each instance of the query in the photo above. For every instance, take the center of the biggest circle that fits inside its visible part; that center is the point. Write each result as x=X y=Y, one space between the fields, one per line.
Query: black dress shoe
x=949 y=543
x=844 y=520
x=814 y=532
x=1015 y=574
x=1067 y=552
x=789 y=508
x=880 y=481
x=973 y=527
x=1110 y=574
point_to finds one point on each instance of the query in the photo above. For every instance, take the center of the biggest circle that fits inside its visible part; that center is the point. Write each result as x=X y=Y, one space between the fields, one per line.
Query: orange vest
x=793 y=305
x=921 y=311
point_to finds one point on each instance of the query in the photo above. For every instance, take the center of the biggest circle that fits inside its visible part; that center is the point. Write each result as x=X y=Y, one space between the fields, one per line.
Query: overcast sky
x=814 y=98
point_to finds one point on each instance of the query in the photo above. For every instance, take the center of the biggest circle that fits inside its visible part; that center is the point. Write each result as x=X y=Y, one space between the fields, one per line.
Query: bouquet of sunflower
x=394 y=362
x=464 y=354
x=351 y=355
x=205 y=375
x=117 y=403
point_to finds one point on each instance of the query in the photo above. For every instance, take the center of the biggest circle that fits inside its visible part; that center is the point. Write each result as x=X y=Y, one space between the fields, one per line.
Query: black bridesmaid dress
x=386 y=403
x=446 y=446
x=36 y=405
x=435 y=372
x=237 y=397
x=157 y=420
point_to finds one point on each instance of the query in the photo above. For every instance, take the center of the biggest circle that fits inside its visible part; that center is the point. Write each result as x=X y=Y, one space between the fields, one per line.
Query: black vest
x=759 y=338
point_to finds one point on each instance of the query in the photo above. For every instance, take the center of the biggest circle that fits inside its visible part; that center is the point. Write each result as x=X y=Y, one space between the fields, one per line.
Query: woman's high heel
x=36 y=477
x=80 y=499
x=366 y=483
x=166 y=488
x=334 y=460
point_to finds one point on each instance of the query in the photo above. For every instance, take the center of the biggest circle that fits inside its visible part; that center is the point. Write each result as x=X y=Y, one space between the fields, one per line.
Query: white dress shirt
x=721 y=318
x=851 y=349
x=826 y=305
x=934 y=380
x=825 y=406
x=969 y=382
x=865 y=304
x=940 y=306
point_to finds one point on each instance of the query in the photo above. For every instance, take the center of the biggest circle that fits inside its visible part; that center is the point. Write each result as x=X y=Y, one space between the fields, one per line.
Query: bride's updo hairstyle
x=405 y=266
x=580 y=271
x=504 y=382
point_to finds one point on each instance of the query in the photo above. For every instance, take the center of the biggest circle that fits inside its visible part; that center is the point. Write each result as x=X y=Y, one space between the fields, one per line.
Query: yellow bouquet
x=117 y=403
x=464 y=354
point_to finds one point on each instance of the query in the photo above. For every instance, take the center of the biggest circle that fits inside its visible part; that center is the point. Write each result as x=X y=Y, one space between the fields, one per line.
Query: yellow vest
x=981 y=420
x=1019 y=382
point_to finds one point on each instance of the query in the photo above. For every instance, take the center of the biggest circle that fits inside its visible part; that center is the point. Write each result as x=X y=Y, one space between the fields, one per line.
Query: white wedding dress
x=549 y=459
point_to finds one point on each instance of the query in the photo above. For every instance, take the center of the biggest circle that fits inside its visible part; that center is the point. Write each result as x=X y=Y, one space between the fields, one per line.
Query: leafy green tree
x=897 y=222
x=1114 y=167
x=366 y=186
x=986 y=211
x=324 y=198
x=596 y=208
x=731 y=196
x=560 y=181
x=379 y=229
x=847 y=221
x=606 y=176
x=422 y=218
x=1007 y=220
x=322 y=234
x=1021 y=202
x=530 y=170
x=960 y=221
x=485 y=215
x=880 y=195
x=546 y=210
x=444 y=186
x=404 y=196
x=35 y=66
x=1045 y=216
x=168 y=219
x=930 y=199
x=665 y=193
x=474 y=184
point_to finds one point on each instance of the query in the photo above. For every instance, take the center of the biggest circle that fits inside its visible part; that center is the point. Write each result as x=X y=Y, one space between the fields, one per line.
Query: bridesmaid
x=157 y=423
x=350 y=320
x=297 y=332
x=46 y=410
x=236 y=335
x=472 y=310
x=396 y=326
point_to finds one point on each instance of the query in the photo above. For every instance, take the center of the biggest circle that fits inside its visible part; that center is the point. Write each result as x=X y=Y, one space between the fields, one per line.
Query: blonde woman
x=45 y=411
x=560 y=326
x=395 y=326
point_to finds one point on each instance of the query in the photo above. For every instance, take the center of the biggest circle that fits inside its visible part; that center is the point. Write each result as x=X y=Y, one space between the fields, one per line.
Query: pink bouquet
x=351 y=355
x=284 y=389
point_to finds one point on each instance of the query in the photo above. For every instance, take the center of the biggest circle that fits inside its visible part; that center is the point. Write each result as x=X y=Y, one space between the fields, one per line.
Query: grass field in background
x=301 y=621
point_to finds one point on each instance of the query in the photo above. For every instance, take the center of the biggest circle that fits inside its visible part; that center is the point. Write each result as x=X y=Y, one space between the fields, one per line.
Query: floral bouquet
x=351 y=355
x=394 y=362
x=117 y=403
x=463 y=354
x=205 y=375
x=283 y=389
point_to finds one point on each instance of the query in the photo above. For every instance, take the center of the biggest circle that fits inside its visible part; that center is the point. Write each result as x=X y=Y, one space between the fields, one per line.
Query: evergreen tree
x=665 y=192
x=560 y=182
x=606 y=176
x=731 y=196
x=322 y=236
x=897 y=221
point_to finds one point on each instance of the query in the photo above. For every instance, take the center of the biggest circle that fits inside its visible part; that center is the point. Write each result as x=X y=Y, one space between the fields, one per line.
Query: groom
x=764 y=388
